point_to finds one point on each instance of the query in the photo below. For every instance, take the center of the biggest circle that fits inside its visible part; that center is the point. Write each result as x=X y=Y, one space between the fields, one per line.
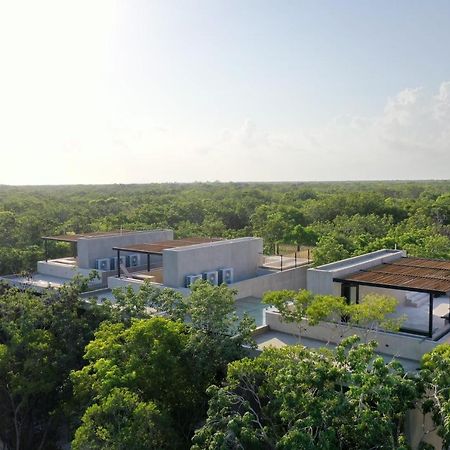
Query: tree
x=329 y=250
x=304 y=308
x=301 y=307
x=296 y=398
x=163 y=361
x=150 y=360
x=217 y=335
x=130 y=304
x=373 y=313
x=41 y=341
x=435 y=376
x=123 y=422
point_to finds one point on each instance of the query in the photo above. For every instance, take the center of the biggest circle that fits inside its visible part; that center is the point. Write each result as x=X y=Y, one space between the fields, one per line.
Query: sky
x=141 y=91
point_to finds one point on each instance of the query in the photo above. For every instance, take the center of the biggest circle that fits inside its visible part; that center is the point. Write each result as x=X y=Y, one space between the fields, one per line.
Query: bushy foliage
x=304 y=308
x=41 y=340
x=435 y=376
x=141 y=362
x=296 y=398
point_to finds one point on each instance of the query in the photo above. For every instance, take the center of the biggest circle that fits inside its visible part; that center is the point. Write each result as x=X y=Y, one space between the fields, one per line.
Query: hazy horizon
x=400 y=180
x=138 y=92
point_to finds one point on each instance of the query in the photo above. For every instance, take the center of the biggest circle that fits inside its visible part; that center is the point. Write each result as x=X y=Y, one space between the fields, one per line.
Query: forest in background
x=339 y=219
x=104 y=377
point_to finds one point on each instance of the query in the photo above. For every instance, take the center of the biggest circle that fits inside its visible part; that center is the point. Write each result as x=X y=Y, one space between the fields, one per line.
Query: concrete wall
x=59 y=270
x=254 y=287
x=55 y=269
x=287 y=279
x=421 y=428
x=242 y=254
x=320 y=279
x=92 y=248
x=114 y=282
x=395 y=344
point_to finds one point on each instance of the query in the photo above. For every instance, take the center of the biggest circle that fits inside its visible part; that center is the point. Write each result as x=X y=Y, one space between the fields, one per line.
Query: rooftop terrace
x=413 y=274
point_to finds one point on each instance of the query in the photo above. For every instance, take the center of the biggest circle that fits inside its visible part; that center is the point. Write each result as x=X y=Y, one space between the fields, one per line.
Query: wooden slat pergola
x=157 y=248
x=73 y=238
x=431 y=276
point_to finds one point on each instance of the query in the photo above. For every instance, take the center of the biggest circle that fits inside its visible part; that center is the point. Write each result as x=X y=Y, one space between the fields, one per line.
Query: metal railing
x=286 y=261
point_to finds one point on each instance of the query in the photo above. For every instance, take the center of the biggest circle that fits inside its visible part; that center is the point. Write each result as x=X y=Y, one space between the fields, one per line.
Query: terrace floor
x=277 y=339
x=275 y=262
x=37 y=281
x=250 y=305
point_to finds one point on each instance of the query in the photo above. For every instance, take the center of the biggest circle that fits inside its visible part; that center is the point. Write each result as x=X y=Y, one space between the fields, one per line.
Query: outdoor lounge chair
x=136 y=276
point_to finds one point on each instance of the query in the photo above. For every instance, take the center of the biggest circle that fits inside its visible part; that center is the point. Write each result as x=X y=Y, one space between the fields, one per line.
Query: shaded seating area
x=74 y=238
x=426 y=281
x=155 y=248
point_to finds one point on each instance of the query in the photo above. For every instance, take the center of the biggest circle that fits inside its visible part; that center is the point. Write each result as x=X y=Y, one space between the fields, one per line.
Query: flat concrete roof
x=37 y=281
x=356 y=260
x=157 y=248
x=96 y=234
x=215 y=242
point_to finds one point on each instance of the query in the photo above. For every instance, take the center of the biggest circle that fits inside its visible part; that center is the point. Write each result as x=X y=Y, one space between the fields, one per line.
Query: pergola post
x=46 y=249
x=118 y=263
x=148 y=262
x=430 y=317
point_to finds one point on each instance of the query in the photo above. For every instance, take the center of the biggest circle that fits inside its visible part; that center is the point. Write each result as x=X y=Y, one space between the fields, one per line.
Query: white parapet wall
x=320 y=279
x=56 y=269
x=293 y=279
x=400 y=345
x=123 y=282
x=89 y=249
x=114 y=282
x=242 y=254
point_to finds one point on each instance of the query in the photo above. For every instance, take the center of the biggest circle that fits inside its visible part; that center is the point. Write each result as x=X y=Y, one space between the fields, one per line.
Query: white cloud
x=409 y=138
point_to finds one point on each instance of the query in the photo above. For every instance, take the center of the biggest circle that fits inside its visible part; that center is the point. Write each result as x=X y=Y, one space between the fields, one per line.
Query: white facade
x=242 y=255
x=89 y=249
x=320 y=279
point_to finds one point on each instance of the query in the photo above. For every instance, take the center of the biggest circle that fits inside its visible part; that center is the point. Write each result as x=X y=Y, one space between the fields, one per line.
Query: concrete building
x=122 y=259
x=422 y=289
x=130 y=258
x=88 y=250
x=238 y=263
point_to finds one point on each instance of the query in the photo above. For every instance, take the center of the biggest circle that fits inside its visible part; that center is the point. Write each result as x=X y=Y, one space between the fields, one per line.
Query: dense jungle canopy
x=339 y=219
